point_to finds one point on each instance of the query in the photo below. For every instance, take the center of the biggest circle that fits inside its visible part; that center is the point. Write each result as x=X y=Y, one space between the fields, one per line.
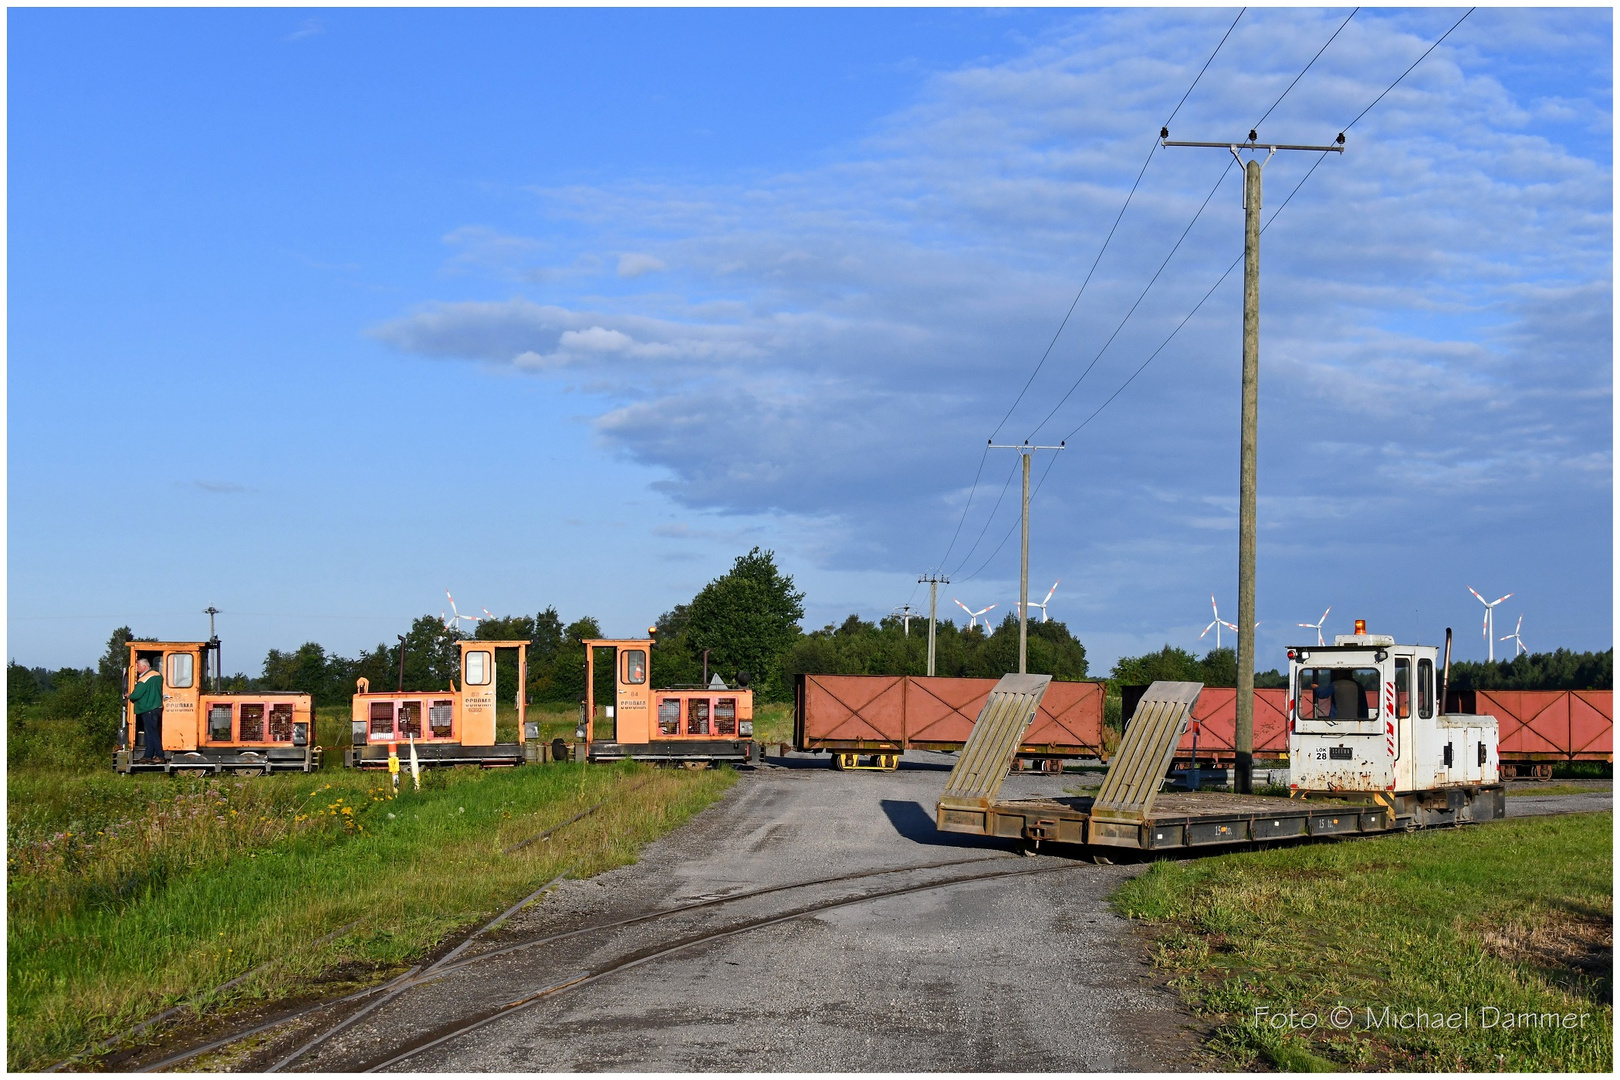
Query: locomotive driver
x=147 y=697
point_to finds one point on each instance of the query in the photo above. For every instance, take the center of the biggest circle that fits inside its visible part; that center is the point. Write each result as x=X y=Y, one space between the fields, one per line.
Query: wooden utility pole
x=1023 y=565
x=1248 y=440
x=934 y=581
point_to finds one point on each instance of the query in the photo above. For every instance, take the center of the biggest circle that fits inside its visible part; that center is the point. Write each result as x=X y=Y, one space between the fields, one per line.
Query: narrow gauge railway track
x=374 y=998
x=440 y=1036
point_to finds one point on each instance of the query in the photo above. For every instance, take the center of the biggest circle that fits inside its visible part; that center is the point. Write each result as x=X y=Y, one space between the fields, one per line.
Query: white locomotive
x=1366 y=720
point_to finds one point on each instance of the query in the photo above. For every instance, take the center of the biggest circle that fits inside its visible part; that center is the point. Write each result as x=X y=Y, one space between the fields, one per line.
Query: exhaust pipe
x=1445 y=680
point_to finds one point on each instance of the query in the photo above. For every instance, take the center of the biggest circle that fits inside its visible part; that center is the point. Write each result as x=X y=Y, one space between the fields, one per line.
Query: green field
x=1423 y=942
x=129 y=894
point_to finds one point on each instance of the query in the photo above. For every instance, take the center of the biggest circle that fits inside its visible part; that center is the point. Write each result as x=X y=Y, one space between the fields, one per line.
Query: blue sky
x=313 y=314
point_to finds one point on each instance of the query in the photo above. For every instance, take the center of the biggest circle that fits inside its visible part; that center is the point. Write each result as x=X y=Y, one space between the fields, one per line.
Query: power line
x=1205 y=68
x=1408 y=71
x=1140 y=297
x=990 y=518
x=967 y=505
x=1307 y=67
x=1164 y=131
x=1228 y=271
x=1111 y=230
x=1106 y=241
x=1267 y=224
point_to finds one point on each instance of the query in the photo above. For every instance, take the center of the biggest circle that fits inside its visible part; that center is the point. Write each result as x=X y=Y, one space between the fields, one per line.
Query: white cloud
x=633 y=264
x=835 y=344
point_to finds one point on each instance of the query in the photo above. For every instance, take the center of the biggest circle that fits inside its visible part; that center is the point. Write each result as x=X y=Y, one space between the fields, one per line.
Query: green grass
x=1515 y=915
x=129 y=894
x=773 y=722
x=1559 y=789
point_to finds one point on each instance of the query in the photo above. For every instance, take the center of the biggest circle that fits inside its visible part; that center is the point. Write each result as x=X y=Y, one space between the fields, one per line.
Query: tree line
x=742 y=626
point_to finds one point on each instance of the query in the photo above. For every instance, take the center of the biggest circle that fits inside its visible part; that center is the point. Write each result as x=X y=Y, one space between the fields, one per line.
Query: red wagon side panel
x=872 y=712
x=854 y=709
x=942 y=710
x=1216 y=714
x=1071 y=715
x=1528 y=721
x=1591 y=724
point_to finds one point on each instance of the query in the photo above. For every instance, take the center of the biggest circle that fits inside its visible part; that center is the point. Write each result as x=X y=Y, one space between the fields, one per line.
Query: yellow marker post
x=393 y=764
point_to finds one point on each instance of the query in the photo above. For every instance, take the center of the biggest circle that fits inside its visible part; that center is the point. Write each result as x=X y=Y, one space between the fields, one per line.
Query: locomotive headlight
x=359 y=733
x=300 y=734
x=745 y=728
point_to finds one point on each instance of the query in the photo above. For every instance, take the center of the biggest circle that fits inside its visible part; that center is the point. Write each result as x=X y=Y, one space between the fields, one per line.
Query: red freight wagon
x=1215 y=714
x=882 y=716
x=1540 y=728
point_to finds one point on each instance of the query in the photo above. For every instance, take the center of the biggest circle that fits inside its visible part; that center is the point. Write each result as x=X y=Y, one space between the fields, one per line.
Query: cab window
x=697 y=717
x=1342 y=693
x=669 y=716
x=725 y=716
x=635 y=666
x=252 y=726
x=1403 y=687
x=477 y=669
x=1425 y=689
x=180 y=672
x=439 y=716
x=219 y=723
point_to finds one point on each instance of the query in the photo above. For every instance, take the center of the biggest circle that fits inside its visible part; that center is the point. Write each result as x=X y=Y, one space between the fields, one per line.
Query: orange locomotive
x=689 y=725
x=446 y=727
x=249 y=733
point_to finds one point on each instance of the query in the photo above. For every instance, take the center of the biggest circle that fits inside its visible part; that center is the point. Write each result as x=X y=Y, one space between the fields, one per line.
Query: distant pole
x=1248 y=439
x=213 y=643
x=1023 y=564
x=401 y=663
x=1023 y=581
x=934 y=581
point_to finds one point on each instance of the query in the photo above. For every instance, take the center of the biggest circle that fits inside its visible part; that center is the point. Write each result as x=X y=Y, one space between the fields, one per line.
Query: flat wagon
x=1369 y=752
x=877 y=718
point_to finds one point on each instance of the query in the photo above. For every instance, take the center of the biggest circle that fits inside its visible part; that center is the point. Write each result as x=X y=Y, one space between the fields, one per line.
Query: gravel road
x=1031 y=972
x=1025 y=973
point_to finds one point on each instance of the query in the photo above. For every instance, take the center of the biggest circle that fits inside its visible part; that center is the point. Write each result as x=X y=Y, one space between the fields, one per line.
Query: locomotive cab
x=247 y=732
x=446 y=727
x=689 y=724
x=1364 y=720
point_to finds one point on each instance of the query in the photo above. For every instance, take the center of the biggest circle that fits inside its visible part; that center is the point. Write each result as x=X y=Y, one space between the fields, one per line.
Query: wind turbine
x=1514 y=637
x=1317 y=626
x=1218 y=623
x=973 y=615
x=1489 y=626
x=1043 y=603
x=457 y=618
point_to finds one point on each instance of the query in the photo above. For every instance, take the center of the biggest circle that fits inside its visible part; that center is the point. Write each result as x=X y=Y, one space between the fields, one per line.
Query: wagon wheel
x=252 y=770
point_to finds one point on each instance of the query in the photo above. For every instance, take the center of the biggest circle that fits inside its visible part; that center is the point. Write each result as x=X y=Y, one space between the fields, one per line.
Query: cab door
x=477 y=694
x=633 y=698
x=182 y=698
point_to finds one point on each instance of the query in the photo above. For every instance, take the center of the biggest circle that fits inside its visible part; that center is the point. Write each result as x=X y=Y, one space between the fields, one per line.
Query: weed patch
x=130 y=894
x=1484 y=949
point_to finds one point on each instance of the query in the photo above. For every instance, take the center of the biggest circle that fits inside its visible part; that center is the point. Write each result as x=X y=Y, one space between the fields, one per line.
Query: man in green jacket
x=147 y=699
